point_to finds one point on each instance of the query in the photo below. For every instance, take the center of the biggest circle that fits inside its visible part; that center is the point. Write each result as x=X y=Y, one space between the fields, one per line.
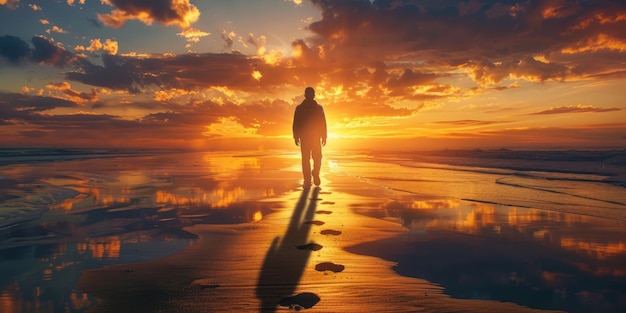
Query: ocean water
x=587 y=188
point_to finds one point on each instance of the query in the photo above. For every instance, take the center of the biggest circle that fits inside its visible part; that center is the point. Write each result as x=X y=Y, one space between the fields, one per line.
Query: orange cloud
x=64 y=90
x=109 y=46
x=193 y=35
x=171 y=12
x=11 y=4
x=56 y=29
x=72 y=2
x=557 y=9
x=597 y=43
x=167 y=95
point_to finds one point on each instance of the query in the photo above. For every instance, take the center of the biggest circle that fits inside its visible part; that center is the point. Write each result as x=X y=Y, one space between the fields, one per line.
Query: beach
x=473 y=231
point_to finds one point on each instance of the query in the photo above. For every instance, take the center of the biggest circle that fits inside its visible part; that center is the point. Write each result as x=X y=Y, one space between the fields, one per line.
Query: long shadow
x=284 y=262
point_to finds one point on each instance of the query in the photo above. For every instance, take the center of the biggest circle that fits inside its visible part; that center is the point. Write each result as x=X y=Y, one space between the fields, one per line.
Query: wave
x=34 y=155
x=506 y=181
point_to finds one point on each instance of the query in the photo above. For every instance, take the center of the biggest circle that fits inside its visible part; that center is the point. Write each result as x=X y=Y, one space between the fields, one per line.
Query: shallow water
x=60 y=218
x=586 y=194
x=546 y=240
x=543 y=239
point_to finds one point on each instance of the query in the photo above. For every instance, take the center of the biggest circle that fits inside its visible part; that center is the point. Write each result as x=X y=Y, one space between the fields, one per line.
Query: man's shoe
x=316 y=179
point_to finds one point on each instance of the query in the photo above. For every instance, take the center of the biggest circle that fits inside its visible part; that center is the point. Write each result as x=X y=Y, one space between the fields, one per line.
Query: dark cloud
x=494 y=39
x=49 y=53
x=13 y=48
x=575 y=109
x=185 y=71
x=21 y=102
x=116 y=73
x=18 y=108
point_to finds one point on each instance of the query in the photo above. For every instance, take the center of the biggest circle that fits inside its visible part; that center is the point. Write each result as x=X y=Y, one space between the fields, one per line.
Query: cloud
x=469 y=122
x=64 y=90
x=109 y=46
x=56 y=29
x=35 y=7
x=47 y=52
x=193 y=35
x=115 y=73
x=493 y=41
x=72 y=2
x=16 y=108
x=186 y=71
x=580 y=108
x=13 y=48
x=165 y=12
x=11 y=4
x=229 y=38
x=596 y=43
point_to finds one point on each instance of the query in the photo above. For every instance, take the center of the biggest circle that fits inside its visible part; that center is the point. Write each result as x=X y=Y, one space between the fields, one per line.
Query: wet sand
x=243 y=237
x=258 y=267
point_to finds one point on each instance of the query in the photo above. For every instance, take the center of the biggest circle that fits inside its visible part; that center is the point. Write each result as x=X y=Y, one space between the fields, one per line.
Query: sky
x=390 y=74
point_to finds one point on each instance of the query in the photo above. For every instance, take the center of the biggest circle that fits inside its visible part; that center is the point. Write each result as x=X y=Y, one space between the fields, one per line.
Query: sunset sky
x=412 y=74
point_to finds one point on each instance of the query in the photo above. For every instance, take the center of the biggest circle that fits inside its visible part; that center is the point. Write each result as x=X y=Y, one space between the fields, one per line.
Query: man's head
x=309 y=93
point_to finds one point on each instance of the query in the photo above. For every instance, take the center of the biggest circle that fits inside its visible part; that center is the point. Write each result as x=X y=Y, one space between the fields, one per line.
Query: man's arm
x=324 y=127
x=295 y=127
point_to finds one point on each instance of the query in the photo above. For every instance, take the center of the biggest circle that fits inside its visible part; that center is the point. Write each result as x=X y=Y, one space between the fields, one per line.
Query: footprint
x=318 y=223
x=301 y=301
x=323 y=212
x=310 y=246
x=327 y=202
x=325 y=192
x=330 y=232
x=329 y=266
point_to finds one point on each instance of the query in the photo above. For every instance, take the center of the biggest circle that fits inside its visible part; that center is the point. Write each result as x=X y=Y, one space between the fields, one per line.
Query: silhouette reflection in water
x=284 y=263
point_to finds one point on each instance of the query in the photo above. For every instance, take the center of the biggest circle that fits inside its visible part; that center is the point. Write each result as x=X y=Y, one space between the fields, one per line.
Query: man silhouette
x=309 y=132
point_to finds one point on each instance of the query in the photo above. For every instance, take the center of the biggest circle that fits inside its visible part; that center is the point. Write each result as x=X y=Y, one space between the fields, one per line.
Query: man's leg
x=316 y=153
x=305 y=150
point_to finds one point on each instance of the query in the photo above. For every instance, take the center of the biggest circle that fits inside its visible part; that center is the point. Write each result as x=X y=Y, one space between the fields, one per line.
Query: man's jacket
x=309 y=121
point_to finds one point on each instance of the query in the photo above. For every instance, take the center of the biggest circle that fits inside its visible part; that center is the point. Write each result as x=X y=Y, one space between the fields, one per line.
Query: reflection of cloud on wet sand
x=505 y=253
